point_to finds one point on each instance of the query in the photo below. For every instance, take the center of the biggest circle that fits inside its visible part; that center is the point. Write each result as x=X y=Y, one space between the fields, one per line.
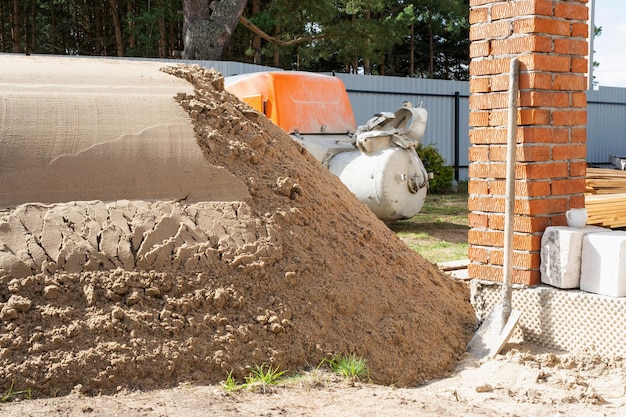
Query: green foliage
x=597 y=31
x=231 y=383
x=433 y=162
x=373 y=37
x=261 y=376
x=437 y=45
x=351 y=367
x=416 y=38
x=11 y=395
x=142 y=29
x=149 y=29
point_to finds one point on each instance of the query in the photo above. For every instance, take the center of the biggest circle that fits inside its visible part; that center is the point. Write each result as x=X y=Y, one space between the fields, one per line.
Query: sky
x=610 y=46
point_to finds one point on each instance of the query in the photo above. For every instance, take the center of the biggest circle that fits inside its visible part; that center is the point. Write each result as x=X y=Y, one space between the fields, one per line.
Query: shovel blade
x=494 y=333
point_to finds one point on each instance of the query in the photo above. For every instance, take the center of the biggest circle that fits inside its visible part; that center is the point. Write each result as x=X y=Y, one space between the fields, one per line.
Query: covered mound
x=97 y=296
x=74 y=129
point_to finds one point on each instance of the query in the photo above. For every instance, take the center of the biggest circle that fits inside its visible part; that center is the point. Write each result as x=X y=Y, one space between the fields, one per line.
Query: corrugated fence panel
x=606 y=124
x=372 y=94
x=228 y=68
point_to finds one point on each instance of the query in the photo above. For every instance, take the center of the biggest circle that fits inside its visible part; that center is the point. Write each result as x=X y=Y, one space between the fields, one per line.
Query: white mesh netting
x=570 y=320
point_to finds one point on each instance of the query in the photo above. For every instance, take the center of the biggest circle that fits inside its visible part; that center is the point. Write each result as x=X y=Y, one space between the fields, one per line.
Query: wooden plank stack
x=605 y=197
x=605 y=181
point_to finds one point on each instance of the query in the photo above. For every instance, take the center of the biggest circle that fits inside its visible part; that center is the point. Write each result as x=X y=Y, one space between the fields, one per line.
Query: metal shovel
x=498 y=326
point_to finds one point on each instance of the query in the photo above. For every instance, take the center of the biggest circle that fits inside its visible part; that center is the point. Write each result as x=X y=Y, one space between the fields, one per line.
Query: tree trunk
x=79 y=35
x=53 y=30
x=2 y=17
x=97 y=16
x=367 y=65
x=412 y=55
x=15 y=26
x=130 y=11
x=63 y=35
x=256 y=40
x=172 y=40
x=431 y=46
x=117 y=28
x=276 y=52
x=26 y=33
x=33 y=28
x=206 y=30
x=162 y=32
x=355 y=59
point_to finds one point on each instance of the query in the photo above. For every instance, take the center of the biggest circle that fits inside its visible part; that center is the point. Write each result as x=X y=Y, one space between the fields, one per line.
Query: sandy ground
x=522 y=381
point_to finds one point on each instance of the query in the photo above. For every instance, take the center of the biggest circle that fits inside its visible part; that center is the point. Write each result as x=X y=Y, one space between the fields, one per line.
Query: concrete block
x=603 y=269
x=561 y=250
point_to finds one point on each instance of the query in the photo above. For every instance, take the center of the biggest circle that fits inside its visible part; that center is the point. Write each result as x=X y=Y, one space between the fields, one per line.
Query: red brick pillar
x=549 y=37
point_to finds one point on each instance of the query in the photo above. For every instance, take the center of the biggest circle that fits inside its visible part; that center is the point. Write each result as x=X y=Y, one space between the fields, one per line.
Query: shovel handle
x=509 y=209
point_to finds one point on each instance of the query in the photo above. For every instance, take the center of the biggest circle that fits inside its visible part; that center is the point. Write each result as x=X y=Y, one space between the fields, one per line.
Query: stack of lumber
x=605 y=197
x=605 y=181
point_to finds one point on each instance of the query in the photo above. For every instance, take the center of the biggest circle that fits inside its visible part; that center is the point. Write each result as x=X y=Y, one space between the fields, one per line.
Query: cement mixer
x=376 y=161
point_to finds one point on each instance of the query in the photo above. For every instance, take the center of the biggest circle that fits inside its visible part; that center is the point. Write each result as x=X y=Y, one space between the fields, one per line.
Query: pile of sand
x=97 y=296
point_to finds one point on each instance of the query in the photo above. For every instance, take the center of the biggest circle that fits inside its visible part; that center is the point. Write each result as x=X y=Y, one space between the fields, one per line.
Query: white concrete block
x=603 y=269
x=561 y=250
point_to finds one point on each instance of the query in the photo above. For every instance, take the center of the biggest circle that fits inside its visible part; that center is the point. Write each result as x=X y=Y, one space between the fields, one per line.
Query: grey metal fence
x=606 y=124
x=446 y=102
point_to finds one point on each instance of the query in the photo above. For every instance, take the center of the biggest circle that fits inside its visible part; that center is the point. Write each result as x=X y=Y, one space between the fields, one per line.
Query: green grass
x=439 y=252
x=261 y=377
x=11 y=395
x=231 y=383
x=439 y=231
x=351 y=367
x=264 y=377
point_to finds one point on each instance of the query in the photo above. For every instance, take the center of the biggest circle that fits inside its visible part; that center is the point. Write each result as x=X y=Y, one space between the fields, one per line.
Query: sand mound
x=96 y=296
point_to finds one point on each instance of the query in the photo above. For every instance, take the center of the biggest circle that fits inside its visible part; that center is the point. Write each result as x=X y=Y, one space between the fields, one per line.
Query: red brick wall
x=549 y=37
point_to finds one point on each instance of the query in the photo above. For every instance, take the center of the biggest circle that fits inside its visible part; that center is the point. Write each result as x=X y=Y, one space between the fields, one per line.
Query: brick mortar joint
x=525 y=54
x=500 y=249
x=524 y=199
x=491 y=19
x=555 y=76
x=551 y=37
x=514 y=19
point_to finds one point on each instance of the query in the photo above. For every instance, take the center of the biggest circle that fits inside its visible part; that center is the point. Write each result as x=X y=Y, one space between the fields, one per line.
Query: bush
x=433 y=162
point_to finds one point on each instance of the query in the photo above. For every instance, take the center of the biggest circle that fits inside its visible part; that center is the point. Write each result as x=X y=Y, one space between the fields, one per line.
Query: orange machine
x=376 y=161
x=297 y=102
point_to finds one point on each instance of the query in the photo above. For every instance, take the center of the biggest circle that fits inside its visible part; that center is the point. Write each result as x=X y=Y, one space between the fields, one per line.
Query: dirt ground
x=523 y=381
